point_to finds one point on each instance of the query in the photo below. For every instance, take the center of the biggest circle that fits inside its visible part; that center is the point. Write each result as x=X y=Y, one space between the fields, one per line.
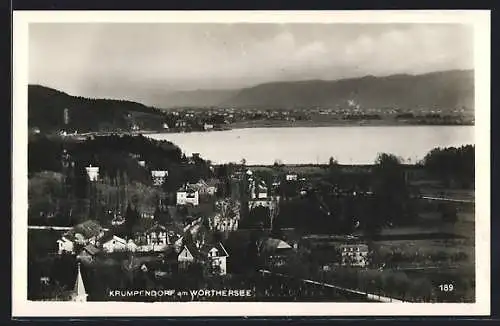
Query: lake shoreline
x=335 y=123
x=266 y=125
x=308 y=124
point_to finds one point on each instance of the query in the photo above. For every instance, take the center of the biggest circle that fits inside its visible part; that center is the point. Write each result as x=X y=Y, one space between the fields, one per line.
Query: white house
x=186 y=256
x=224 y=223
x=227 y=216
x=354 y=254
x=262 y=191
x=180 y=124
x=258 y=190
x=159 y=177
x=214 y=257
x=92 y=172
x=208 y=126
x=88 y=232
x=187 y=196
x=291 y=177
x=113 y=243
x=65 y=246
x=217 y=256
x=131 y=246
x=254 y=203
x=156 y=238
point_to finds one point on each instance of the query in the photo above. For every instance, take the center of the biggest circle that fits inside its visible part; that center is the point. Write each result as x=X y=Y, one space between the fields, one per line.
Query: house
x=131 y=246
x=212 y=186
x=270 y=202
x=227 y=216
x=354 y=254
x=165 y=126
x=217 y=258
x=212 y=256
x=113 y=243
x=180 y=124
x=92 y=172
x=188 y=196
x=274 y=251
x=208 y=126
x=156 y=238
x=224 y=223
x=291 y=177
x=261 y=191
x=142 y=163
x=117 y=219
x=159 y=177
x=258 y=189
x=206 y=188
x=65 y=245
x=147 y=212
x=88 y=232
x=186 y=256
x=88 y=253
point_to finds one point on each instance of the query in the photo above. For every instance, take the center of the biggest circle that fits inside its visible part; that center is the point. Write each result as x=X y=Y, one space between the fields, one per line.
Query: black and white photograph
x=261 y=159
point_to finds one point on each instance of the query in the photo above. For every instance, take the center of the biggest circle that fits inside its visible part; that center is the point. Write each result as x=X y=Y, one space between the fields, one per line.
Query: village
x=187 y=235
x=194 y=225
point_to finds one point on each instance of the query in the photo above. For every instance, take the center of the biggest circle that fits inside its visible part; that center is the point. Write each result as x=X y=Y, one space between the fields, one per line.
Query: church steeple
x=80 y=294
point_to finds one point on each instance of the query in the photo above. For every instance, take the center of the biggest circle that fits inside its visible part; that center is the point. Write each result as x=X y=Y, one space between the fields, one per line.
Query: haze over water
x=348 y=145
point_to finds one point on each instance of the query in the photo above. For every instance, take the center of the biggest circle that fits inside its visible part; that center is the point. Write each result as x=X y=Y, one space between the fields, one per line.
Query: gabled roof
x=159 y=173
x=87 y=229
x=110 y=236
x=188 y=188
x=220 y=248
x=273 y=245
x=64 y=239
x=91 y=249
x=195 y=252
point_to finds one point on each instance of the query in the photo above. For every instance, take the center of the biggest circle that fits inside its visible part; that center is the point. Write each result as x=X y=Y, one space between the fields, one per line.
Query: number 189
x=446 y=287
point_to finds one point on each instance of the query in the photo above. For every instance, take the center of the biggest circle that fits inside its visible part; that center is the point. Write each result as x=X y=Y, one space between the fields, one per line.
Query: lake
x=297 y=145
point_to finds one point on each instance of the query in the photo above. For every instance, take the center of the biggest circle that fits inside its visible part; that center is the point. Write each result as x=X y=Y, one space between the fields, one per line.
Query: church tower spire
x=80 y=294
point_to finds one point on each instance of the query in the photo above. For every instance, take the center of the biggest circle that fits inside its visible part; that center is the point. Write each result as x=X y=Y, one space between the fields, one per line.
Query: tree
x=278 y=164
x=390 y=187
x=131 y=219
x=452 y=165
x=332 y=162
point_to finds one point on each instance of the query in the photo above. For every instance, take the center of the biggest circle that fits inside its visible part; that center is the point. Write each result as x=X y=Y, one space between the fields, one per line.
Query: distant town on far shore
x=442 y=98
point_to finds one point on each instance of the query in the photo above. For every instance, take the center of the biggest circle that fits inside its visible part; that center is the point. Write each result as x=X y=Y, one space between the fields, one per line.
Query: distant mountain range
x=446 y=89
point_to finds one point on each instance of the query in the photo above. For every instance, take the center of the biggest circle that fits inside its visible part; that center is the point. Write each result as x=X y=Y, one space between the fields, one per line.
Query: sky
x=117 y=60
